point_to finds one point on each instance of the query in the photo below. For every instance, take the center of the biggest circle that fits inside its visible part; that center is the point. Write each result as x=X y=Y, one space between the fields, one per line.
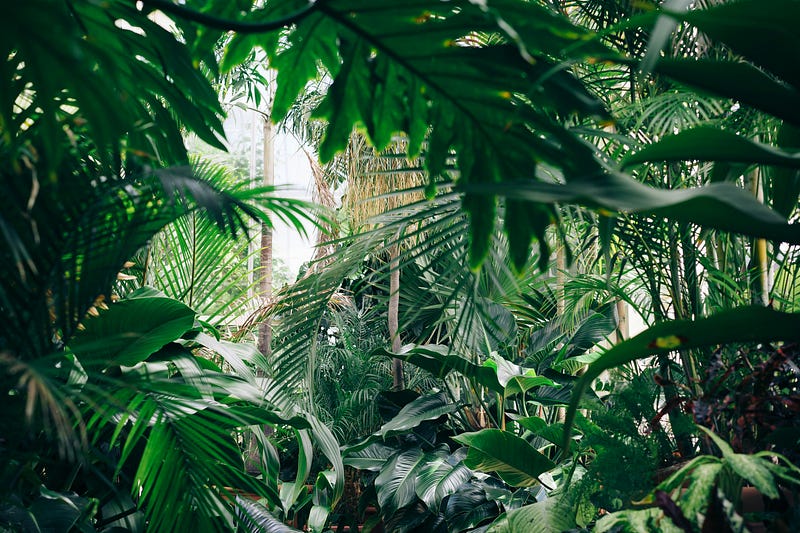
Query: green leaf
x=741 y=81
x=751 y=468
x=344 y=105
x=322 y=500
x=403 y=69
x=745 y=324
x=256 y=517
x=553 y=515
x=637 y=521
x=785 y=182
x=706 y=143
x=56 y=511
x=553 y=433
x=519 y=384
x=770 y=37
x=312 y=41
x=291 y=491
x=720 y=206
x=469 y=507
x=440 y=478
x=129 y=331
x=237 y=51
x=702 y=484
x=482 y=211
x=424 y=408
x=438 y=361
x=515 y=461
x=396 y=483
x=372 y=457
x=677 y=479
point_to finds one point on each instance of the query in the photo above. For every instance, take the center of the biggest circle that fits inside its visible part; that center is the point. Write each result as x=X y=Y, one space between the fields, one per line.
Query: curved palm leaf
x=192 y=261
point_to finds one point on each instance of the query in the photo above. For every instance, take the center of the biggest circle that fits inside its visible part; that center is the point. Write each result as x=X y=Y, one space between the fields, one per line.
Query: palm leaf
x=393 y=72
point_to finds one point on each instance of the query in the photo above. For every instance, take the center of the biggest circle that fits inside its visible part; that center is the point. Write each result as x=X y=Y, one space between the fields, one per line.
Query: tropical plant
x=115 y=418
x=706 y=493
x=421 y=479
x=509 y=105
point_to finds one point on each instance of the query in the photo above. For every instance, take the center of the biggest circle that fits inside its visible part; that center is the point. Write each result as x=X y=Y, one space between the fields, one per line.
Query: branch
x=227 y=24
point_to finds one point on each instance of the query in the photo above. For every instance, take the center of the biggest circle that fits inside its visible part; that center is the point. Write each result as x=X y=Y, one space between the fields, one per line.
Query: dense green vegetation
x=456 y=358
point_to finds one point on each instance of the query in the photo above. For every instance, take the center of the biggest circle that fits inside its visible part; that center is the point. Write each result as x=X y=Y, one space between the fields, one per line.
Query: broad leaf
x=553 y=515
x=372 y=457
x=440 y=478
x=751 y=468
x=256 y=517
x=740 y=81
x=396 y=484
x=129 y=331
x=469 y=507
x=439 y=361
x=515 y=461
x=702 y=484
x=422 y=409
x=772 y=35
x=719 y=206
x=706 y=143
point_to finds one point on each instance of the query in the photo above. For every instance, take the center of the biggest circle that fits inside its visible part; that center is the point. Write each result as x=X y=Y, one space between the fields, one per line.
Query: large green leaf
x=313 y=41
x=469 y=507
x=706 y=143
x=328 y=446
x=404 y=67
x=719 y=206
x=771 y=37
x=702 y=482
x=172 y=480
x=396 y=483
x=751 y=468
x=440 y=478
x=408 y=519
x=753 y=83
x=290 y=491
x=129 y=331
x=372 y=457
x=746 y=324
x=553 y=515
x=424 y=408
x=515 y=461
x=73 y=56
x=256 y=517
x=638 y=521
x=56 y=511
x=741 y=81
x=438 y=360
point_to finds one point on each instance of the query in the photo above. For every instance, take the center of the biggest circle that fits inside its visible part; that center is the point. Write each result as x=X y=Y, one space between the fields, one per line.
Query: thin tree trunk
x=394 y=311
x=759 y=285
x=561 y=280
x=265 y=280
x=264 y=339
x=623 y=326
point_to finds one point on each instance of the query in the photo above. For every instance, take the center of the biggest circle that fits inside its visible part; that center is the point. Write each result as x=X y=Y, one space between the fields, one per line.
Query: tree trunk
x=394 y=311
x=623 y=327
x=759 y=284
x=561 y=280
x=265 y=279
